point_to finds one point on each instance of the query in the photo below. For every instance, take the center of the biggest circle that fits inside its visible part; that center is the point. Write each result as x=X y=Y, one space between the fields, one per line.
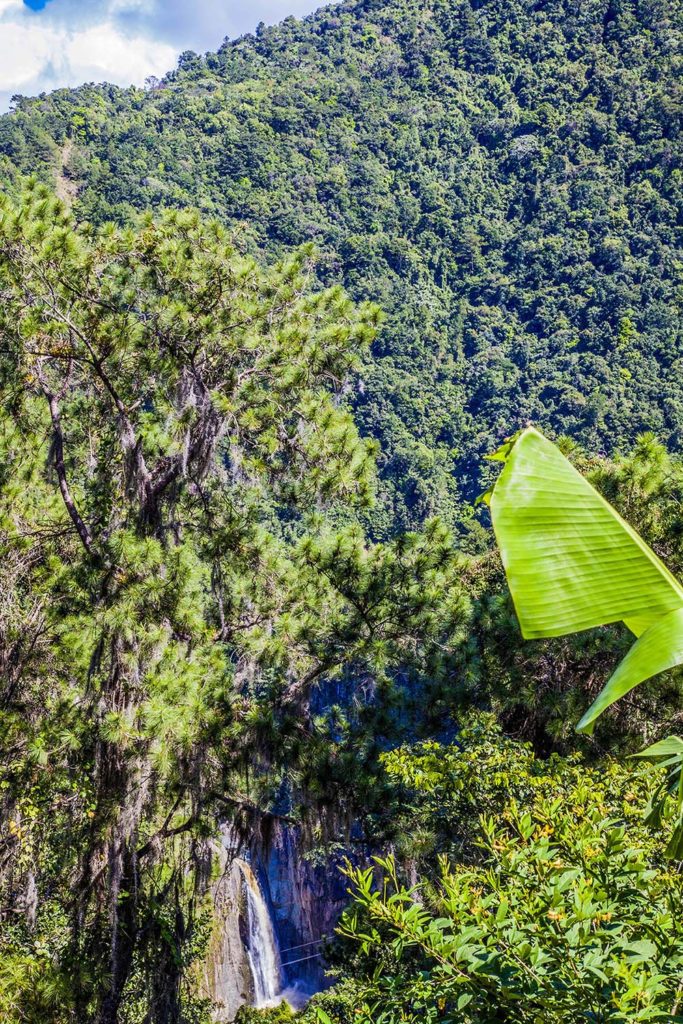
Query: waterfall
x=262 y=947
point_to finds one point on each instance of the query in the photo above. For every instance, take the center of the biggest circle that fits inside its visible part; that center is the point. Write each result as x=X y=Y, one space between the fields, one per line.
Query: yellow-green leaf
x=571 y=561
x=658 y=649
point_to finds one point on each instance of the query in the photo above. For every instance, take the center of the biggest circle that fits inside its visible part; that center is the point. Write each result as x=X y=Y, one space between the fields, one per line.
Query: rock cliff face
x=307 y=901
x=273 y=911
x=227 y=978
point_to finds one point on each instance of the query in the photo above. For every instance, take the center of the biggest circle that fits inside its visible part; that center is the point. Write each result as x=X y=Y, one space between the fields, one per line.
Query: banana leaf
x=658 y=649
x=573 y=563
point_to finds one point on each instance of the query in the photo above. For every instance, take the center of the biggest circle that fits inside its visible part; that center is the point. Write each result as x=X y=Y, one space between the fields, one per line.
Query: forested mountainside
x=503 y=177
x=252 y=352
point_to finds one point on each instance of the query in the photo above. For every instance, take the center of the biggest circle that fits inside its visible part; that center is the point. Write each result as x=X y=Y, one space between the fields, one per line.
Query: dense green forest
x=260 y=323
x=503 y=178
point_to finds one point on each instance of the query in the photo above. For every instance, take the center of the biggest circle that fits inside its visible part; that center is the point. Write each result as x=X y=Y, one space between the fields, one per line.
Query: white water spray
x=262 y=947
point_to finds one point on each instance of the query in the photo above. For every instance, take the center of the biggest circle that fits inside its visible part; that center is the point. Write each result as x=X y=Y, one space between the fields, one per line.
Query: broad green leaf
x=571 y=561
x=640 y=952
x=672 y=746
x=658 y=649
x=674 y=848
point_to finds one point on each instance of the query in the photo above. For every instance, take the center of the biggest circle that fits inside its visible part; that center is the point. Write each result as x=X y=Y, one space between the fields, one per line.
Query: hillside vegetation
x=504 y=178
x=259 y=323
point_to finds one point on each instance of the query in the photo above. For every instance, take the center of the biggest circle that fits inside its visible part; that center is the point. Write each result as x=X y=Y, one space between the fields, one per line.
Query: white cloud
x=37 y=55
x=121 y=41
x=103 y=52
x=23 y=51
x=128 y=6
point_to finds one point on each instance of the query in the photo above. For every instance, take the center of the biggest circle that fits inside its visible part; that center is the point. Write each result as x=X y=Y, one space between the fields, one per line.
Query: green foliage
x=190 y=515
x=181 y=563
x=503 y=178
x=573 y=563
x=440 y=789
x=541 y=690
x=566 y=915
x=273 y=1015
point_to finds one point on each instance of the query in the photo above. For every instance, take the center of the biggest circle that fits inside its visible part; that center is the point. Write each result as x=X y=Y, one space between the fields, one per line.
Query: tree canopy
x=503 y=178
x=181 y=561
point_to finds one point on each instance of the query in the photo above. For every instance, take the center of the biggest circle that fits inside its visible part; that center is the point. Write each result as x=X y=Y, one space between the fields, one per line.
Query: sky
x=45 y=44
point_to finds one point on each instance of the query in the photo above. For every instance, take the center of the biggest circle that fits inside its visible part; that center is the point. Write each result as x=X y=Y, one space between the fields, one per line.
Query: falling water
x=262 y=948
